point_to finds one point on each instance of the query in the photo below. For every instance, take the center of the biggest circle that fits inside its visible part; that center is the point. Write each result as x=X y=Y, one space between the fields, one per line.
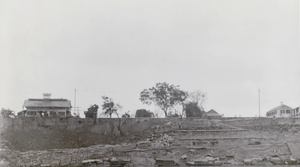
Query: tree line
x=169 y=98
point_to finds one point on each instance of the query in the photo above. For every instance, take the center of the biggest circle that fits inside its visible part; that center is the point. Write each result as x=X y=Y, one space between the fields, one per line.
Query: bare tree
x=197 y=97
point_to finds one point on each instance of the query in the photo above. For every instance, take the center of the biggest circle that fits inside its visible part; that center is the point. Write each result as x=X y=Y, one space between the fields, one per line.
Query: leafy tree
x=92 y=111
x=143 y=113
x=7 y=113
x=110 y=107
x=177 y=110
x=197 y=97
x=163 y=95
x=192 y=110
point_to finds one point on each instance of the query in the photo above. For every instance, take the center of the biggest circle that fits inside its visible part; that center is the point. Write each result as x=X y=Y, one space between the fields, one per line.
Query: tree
x=92 y=111
x=7 y=113
x=126 y=115
x=110 y=107
x=163 y=95
x=197 y=97
x=143 y=113
x=193 y=110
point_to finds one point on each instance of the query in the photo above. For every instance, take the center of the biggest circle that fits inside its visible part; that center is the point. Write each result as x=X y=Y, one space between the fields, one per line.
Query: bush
x=7 y=113
x=92 y=111
x=192 y=110
x=143 y=113
x=126 y=115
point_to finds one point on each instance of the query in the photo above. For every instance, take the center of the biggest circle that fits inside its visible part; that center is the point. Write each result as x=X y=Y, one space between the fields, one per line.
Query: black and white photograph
x=136 y=83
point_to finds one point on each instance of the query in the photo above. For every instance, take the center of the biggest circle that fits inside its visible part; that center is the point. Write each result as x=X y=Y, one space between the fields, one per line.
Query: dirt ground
x=232 y=142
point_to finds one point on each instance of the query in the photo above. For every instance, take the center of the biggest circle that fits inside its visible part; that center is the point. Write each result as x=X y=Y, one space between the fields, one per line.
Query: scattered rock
x=65 y=162
x=184 y=157
x=248 y=161
x=276 y=161
x=4 y=163
x=92 y=161
x=55 y=162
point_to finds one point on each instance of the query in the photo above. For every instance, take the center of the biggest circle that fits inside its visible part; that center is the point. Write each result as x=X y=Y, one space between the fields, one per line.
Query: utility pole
x=75 y=103
x=259 y=102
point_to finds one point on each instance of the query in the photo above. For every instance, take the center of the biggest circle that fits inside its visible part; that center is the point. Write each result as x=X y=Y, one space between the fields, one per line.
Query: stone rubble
x=261 y=145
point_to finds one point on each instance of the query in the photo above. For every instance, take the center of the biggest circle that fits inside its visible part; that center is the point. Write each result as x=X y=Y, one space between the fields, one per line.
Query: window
x=288 y=111
x=296 y=111
x=31 y=113
x=52 y=114
x=61 y=114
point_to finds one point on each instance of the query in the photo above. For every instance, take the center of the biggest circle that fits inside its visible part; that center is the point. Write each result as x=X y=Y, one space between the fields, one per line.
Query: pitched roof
x=281 y=107
x=47 y=103
x=212 y=113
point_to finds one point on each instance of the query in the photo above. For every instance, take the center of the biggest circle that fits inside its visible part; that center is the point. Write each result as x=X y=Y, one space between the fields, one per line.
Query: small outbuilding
x=212 y=114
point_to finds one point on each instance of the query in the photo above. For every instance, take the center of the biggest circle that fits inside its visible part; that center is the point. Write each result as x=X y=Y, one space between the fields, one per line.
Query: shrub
x=143 y=113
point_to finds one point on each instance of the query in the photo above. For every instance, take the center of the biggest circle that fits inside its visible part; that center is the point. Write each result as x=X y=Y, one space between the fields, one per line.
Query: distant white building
x=296 y=112
x=281 y=111
x=47 y=107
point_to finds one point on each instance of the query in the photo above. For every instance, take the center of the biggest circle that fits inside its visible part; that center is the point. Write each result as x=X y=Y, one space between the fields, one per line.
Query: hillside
x=229 y=141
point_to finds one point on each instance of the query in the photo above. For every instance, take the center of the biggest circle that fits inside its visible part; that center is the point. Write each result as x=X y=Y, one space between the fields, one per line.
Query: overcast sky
x=226 y=48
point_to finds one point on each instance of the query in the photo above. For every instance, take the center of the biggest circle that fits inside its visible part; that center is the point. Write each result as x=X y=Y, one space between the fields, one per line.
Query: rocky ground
x=227 y=142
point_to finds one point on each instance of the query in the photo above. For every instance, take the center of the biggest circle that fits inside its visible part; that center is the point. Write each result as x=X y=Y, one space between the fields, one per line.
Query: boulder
x=248 y=161
x=4 y=163
x=55 y=163
x=276 y=161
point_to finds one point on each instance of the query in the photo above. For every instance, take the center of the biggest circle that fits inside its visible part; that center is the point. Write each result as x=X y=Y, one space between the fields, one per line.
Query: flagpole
x=75 y=103
x=259 y=102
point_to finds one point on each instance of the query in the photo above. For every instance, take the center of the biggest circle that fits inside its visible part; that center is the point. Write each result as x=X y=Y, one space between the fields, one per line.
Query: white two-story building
x=47 y=107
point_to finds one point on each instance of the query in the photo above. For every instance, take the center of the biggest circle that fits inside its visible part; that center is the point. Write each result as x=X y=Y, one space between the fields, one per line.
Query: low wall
x=107 y=126
x=103 y=126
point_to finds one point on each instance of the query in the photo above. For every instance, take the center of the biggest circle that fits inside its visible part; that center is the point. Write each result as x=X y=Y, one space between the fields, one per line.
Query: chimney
x=46 y=96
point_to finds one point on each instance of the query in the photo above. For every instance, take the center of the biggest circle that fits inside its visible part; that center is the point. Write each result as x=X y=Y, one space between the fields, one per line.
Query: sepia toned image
x=135 y=83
